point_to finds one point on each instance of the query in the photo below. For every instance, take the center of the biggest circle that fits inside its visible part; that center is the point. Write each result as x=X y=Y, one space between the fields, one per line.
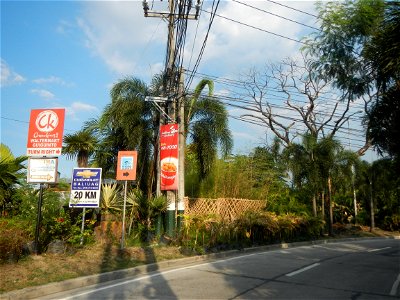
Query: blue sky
x=69 y=53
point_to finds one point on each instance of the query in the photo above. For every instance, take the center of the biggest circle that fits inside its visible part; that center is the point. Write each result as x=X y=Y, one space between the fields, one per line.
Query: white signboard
x=85 y=187
x=42 y=170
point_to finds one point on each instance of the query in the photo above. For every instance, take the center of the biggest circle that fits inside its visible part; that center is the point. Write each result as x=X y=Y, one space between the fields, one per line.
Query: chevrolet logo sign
x=86 y=174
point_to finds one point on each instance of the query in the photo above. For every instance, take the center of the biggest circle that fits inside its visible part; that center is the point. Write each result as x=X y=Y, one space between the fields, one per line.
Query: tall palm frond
x=80 y=145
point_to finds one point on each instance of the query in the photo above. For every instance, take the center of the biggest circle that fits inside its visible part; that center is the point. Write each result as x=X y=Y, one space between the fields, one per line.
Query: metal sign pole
x=39 y=218
x=123 y=217
x=83 y=224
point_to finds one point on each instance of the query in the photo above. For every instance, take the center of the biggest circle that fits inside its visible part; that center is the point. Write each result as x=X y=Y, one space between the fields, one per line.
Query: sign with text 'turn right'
x=169 y=157
x=45 y=133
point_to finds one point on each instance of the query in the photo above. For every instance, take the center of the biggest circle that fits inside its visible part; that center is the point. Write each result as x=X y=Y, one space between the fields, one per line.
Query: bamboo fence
x=226 y=208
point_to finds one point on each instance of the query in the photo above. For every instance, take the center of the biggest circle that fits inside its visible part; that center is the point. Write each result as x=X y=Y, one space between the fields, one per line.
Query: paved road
x=365 y=269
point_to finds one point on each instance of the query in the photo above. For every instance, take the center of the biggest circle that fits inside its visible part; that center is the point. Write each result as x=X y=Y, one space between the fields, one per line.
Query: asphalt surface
x=333 y=269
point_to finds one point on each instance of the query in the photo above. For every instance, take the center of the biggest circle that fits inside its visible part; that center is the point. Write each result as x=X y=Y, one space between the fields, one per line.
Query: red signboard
x=45 y=133
x=126 y=168
x=169 y=156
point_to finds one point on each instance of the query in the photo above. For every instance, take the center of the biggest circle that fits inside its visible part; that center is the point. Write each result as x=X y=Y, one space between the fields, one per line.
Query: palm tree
x=80 y=145
x=206 y=126
x=130 y=122
x=10 y=173
x=127 y=123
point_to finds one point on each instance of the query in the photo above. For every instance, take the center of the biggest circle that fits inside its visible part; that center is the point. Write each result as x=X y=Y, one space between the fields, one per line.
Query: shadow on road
x=155 y=287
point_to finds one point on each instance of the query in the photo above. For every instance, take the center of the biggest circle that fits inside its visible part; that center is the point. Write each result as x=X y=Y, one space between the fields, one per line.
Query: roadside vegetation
x=312 y=186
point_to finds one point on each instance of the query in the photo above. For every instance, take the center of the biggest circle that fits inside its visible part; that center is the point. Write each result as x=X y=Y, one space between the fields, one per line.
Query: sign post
x=45 y=136
x=126 y=170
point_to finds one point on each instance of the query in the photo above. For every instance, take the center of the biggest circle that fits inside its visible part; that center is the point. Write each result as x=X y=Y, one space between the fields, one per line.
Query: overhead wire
x=257 y=28
x=292 y=8
x=240 y=84
x=199 y=57
x=276 y=15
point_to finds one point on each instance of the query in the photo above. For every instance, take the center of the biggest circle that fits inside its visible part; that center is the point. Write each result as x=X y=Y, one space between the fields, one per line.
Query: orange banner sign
x=126 y=168
x=45 y=135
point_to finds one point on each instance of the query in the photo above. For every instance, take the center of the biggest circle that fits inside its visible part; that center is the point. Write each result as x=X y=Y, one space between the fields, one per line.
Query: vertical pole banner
x=169 y=157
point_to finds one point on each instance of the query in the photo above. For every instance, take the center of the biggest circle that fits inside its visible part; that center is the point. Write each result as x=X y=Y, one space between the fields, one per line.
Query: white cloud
x=130 y=44
x=83 y=107
x=233 y=47
x=44 y=94
x=8 y=76
x=50 y=80
x=126 y=39
x=78 y=107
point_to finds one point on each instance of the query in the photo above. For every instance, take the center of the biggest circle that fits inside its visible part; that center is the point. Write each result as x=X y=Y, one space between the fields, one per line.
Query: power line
x=212 y=16
x=276 y=15
x=295 y=9
x=257 y=28
x=241 y=84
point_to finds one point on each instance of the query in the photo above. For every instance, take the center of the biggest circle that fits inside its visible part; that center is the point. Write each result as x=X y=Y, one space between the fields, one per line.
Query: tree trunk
x=323 y=204
x=371 y=201
x=314 y=204
x=330 y=224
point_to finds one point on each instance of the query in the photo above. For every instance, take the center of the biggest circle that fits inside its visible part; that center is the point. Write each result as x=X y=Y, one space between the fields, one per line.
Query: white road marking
x=302 y=270
x=375 y=250
x=395 y=286
x=96 y=289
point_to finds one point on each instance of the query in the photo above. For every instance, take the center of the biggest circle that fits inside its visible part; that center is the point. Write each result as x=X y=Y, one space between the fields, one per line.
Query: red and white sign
x=169 y=156
x=45 y=133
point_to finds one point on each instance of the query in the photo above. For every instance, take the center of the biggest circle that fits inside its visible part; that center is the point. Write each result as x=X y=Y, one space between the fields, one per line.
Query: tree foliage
x=206 y=127
x=80 y=145
x=11 y=172
x=358 y=48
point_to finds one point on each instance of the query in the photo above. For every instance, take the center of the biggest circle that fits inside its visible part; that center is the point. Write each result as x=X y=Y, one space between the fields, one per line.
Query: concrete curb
x=56 y=287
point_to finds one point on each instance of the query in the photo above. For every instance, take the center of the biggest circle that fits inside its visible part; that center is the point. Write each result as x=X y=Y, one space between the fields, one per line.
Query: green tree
x=80 y=145
x=11 y=172
x=358 y=48
x=345 y=29
x=384 y=124
x=131 y=122
x=206 y=126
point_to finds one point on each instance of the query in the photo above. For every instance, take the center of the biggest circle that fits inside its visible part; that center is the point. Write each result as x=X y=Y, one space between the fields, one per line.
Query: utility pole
x=175 y=106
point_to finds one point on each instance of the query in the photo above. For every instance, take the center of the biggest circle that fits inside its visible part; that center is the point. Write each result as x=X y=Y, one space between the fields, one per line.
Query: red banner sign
x=169 y=156
x=45 y=135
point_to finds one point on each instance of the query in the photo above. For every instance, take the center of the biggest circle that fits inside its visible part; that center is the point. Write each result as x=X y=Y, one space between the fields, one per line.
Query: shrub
x=13 y=237
x=391 y=223
x=251 y=228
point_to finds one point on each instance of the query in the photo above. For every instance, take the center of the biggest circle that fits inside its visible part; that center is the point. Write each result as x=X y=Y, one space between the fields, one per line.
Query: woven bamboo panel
x=226 y=208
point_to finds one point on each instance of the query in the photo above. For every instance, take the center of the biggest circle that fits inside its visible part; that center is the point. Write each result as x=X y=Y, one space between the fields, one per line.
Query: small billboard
x=42 y=170
x=85 y=187
x=126 y=168
x=45 y=135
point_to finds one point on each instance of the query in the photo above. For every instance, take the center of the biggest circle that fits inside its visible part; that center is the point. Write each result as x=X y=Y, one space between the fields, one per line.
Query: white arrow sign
x=42 y=170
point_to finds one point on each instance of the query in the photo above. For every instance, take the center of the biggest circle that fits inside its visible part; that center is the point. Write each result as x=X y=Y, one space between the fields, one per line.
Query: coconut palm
x=206 y=126
x=131 y=122
x=80 y=145
x=127 y=123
